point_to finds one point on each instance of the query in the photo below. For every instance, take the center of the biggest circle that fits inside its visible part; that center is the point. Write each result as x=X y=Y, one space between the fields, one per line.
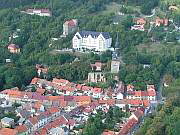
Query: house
x=108 y=132
x=173 y=8
x=138 y=27
x=159 y=22
x=82 y=100
x=13 y=48
x=70 y=26
x=55 y=112
x=130 y=87
x=42 y=120
x=62 y=82
x=34 y=122
x=128 y=127
x=22 y=130
x=97 y=66
x=96 y=92
x=41 y=69
x=149 y=95
x=58 y=131
x=96 y=77
x=134 y=119
x=98 y=41
x=140 y=21
x=118 y=96
x=8 y=131
x=7 y=122
x=5 y=103
x=39 y=12
x=137 y=115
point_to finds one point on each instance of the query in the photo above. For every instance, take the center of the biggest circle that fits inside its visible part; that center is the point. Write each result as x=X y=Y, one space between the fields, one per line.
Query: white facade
x=39 y=12
x=97 y=43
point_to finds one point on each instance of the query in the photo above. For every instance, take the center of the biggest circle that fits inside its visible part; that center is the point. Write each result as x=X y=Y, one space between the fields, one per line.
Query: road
x=148 y=16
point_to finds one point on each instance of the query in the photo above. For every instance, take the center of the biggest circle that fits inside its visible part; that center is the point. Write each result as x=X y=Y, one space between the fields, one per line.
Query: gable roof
x=94 y=34
x=33 y=120
x=8 y=131
x=13 y=46
x=21 y=128
x=138 y=114
x=128 y=126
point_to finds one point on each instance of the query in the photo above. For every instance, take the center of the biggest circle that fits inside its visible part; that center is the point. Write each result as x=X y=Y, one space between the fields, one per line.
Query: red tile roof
x=40 y=90
x=34 y=80
x=8 y=131
x=97 y=90
x=138 y=114
x=79 y=86
x=21 y=128
x=71 y=22
x=13 y=46
x=108 y=102
x=54 y=110
x=82 y=98
x=71 y=122
x=33 y=120
x=60 y=81
x=128 y=126
x=108 y=132
x=86 y=88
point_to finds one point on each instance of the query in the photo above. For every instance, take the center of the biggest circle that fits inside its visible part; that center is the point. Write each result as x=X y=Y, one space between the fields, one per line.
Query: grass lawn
x=113 y=7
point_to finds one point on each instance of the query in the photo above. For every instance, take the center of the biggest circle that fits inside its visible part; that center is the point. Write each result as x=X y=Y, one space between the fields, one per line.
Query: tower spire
x=117 y=41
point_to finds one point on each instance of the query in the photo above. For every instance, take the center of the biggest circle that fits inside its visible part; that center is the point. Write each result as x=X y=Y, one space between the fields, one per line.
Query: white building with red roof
x=13 y=48
x=149 y=94
x=70 y=26
x=39 y=12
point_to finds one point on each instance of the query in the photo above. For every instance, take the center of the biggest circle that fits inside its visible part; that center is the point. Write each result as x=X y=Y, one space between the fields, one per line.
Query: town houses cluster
x=42 y=113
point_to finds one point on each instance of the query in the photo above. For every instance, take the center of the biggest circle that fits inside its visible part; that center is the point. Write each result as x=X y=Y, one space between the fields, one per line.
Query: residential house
x=41 y=69
x=34 y=122
x=13 y=48
x=134 y=119
x=8 y=131
x=142 y=95
x=137 y=115
x=128 y=127
x=58 y=131
x=5 y=103
x=118 y=96
x=7 y=122
x=22 y=130
x=55 y=112
x=96 y=92
x=39 y=12
x=159 y=22
x=82 y=100
x=108 y=132
x=138 y=27
x=173 y=8
x=70 y=26
x=98 y=41
x=42 y=120
x=97 y=66
x=140 y=21
x=61 y=82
